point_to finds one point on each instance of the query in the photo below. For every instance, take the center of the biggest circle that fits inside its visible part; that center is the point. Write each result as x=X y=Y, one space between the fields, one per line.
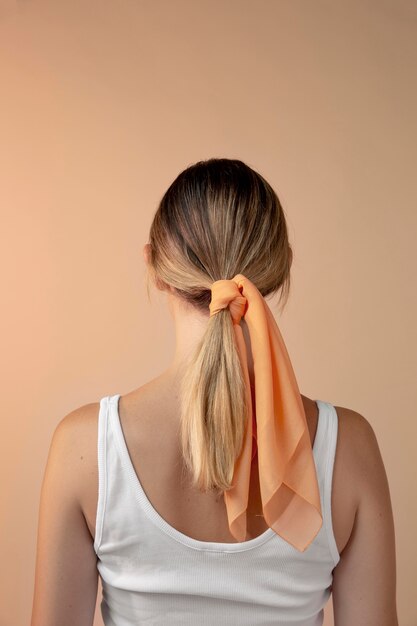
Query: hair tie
x=287 y=473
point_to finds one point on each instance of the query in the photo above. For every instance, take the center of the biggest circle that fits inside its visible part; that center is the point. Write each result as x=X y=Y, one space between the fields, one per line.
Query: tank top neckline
x=160 y=522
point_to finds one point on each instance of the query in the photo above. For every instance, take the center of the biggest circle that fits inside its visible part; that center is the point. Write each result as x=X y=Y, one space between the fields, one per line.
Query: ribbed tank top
x=151 y=573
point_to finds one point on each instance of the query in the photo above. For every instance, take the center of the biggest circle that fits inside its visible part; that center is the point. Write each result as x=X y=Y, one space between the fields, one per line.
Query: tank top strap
x=324 y=454
x=118 y=485
x=102 y=445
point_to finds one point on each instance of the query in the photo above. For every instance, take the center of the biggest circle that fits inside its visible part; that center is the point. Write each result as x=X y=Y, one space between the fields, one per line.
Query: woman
x=216 y=493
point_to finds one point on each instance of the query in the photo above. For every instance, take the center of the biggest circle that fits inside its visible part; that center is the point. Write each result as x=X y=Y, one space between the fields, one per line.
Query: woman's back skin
x=364 y=581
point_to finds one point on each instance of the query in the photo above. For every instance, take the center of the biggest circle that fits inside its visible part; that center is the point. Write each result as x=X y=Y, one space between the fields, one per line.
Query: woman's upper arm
x=66 y=577
x=364 y=580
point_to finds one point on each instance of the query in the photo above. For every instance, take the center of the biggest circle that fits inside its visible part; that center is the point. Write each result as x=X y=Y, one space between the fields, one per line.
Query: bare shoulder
x=364 y=580
x=355 y=427
x=81 y=417
x=358 y=450
x=76 y=435
x=77 y=431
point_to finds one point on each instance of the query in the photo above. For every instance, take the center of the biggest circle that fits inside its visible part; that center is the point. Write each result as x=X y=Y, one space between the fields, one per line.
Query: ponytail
x=213 y=406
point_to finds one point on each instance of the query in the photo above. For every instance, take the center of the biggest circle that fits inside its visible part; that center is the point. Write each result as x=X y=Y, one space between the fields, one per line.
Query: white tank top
x=152 y=573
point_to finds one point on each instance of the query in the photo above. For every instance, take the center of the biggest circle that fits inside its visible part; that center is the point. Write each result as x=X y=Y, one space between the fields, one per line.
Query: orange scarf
x=287 y=472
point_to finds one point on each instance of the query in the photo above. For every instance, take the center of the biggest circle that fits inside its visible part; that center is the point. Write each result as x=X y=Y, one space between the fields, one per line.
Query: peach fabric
x=279 y=432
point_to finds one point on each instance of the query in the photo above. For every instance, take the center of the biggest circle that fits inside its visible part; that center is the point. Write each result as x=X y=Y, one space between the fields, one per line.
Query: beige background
x=103 y=104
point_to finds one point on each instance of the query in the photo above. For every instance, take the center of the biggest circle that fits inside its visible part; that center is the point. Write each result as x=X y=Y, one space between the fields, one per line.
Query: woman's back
x=151 y=568
x=149 y=418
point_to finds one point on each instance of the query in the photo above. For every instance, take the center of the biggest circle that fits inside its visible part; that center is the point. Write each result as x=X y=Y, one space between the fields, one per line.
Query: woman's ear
x=146 y=255
x=146 y=252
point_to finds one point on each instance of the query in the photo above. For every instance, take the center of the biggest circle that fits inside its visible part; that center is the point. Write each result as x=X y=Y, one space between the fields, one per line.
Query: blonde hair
x=218 y=218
